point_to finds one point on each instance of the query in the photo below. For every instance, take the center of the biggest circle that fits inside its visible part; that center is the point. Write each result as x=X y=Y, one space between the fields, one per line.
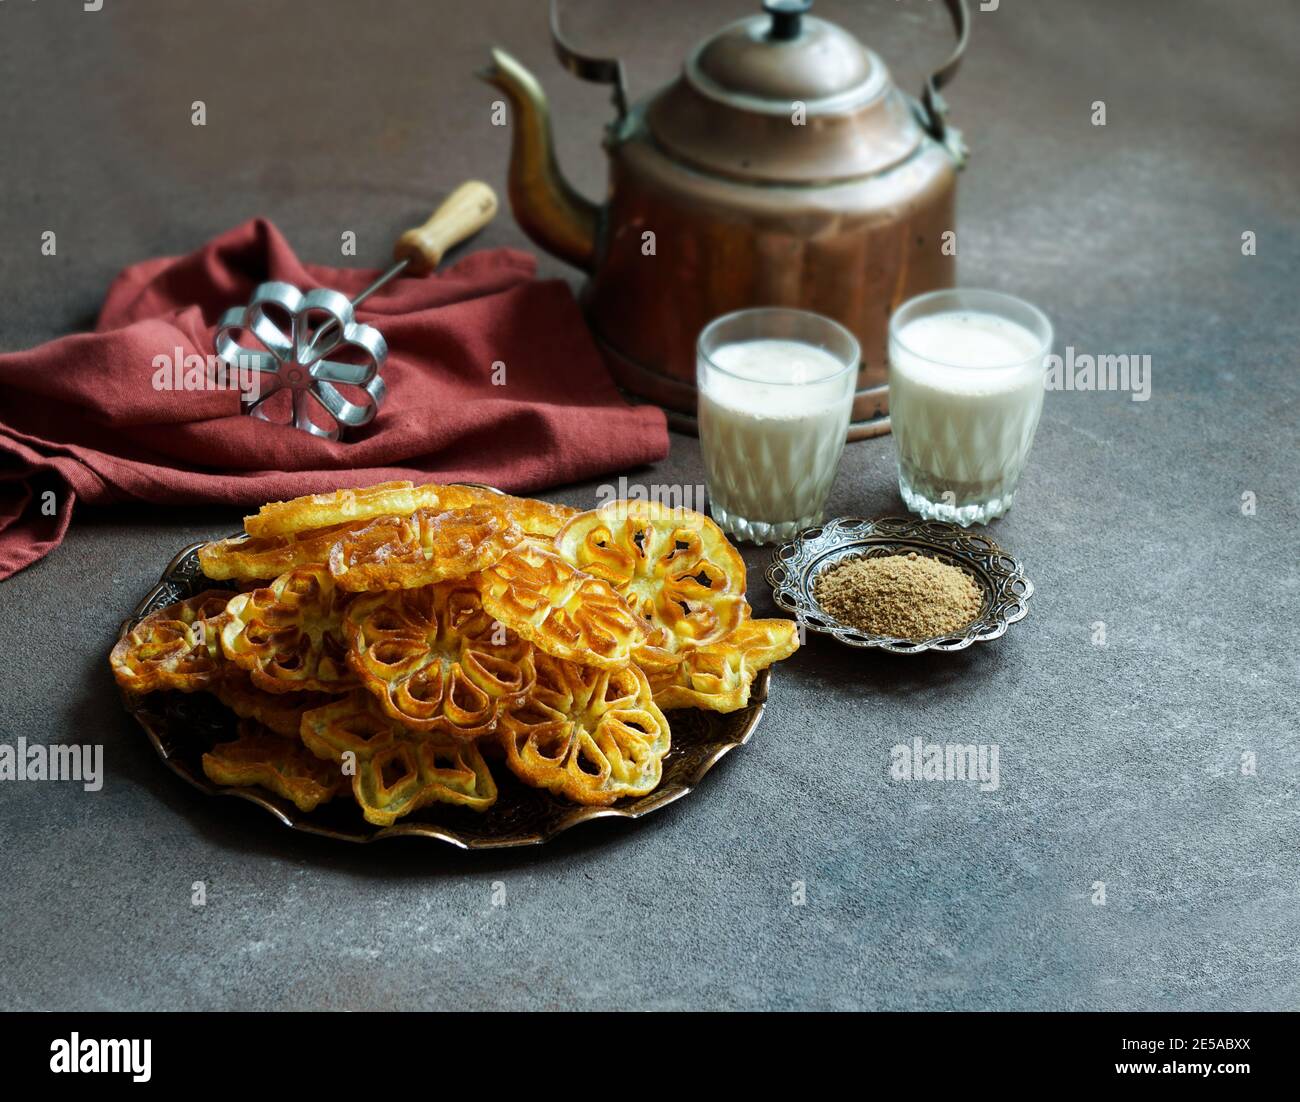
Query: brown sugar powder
x=905 y=596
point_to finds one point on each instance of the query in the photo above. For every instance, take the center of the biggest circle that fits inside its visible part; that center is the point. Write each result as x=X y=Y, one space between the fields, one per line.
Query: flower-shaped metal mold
x=297 y=335
x=1004 y=589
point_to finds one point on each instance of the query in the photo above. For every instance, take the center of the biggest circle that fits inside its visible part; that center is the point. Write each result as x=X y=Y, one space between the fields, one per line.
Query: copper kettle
x=782 y=167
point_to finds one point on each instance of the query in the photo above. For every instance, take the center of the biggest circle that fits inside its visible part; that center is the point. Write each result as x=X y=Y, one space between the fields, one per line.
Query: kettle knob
x=787 y=18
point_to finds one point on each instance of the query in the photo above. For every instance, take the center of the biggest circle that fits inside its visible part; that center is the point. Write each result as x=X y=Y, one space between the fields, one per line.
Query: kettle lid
x=786 y=56
x=784 y=98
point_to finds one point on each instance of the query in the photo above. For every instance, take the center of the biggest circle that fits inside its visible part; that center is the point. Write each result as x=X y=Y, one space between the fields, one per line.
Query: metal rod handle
x=460 y=216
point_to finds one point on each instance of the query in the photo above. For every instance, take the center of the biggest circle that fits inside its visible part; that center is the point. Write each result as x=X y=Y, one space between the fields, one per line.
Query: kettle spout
x=547 y=208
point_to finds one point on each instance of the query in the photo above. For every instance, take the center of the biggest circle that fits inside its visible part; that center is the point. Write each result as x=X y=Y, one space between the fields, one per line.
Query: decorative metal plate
x=795 y=566
x=182 y=726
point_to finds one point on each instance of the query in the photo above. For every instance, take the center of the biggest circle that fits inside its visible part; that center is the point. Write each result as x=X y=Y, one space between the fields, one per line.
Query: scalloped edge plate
x=700 y=740
x=795 y=565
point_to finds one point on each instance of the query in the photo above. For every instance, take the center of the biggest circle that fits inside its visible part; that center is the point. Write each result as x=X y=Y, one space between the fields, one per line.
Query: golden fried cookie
x=262 y=757
x=674 y=567
x=177 y=647
x=591 y=735
x=387 y=552
x=303 y=514
x=422 y=548
x=718 y=677
x=394 y=771
x=536 y=518
x=435 y=660
x=559 y=609
x=289 y=635
x=254 y=558
x=279 y=712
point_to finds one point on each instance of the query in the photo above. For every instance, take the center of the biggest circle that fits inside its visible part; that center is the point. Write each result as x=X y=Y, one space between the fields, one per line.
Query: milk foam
x=968 y=352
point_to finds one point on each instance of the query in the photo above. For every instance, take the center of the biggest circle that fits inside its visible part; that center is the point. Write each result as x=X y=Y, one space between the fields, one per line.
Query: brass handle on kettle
x=597 y=70
x=787 y=17
x=935 y=118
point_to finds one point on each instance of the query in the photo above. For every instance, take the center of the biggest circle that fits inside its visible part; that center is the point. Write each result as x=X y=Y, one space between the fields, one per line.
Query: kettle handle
x=934 y=109
x=598 y=70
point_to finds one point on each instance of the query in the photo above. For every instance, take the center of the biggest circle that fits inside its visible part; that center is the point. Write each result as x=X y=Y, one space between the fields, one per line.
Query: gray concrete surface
x=1120 y=764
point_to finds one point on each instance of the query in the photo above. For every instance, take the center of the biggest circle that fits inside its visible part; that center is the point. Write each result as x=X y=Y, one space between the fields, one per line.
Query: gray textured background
x=1119 y=764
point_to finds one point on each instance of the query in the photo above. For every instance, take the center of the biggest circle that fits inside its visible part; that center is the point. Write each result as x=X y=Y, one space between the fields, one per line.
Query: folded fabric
x=492 y=377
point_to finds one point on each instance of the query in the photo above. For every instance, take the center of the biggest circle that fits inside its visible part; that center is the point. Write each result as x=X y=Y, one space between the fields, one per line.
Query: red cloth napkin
x=80 y=418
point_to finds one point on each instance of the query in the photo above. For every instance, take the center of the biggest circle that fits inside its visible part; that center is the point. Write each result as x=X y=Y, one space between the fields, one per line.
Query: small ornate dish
x=796 y=565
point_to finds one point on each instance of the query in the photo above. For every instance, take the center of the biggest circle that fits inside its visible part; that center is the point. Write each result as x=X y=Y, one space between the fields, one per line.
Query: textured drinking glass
x=966 y=375
x=775 y=394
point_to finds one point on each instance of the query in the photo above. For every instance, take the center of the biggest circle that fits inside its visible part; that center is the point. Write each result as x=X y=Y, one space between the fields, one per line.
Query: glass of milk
x=775 y=394
x=966 y=377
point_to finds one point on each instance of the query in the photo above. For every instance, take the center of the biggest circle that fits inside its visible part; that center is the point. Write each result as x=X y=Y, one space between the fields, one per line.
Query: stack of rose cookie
x=390 y=641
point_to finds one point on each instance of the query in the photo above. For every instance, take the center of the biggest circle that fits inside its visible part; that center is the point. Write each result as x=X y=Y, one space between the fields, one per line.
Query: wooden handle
x=464 y=212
